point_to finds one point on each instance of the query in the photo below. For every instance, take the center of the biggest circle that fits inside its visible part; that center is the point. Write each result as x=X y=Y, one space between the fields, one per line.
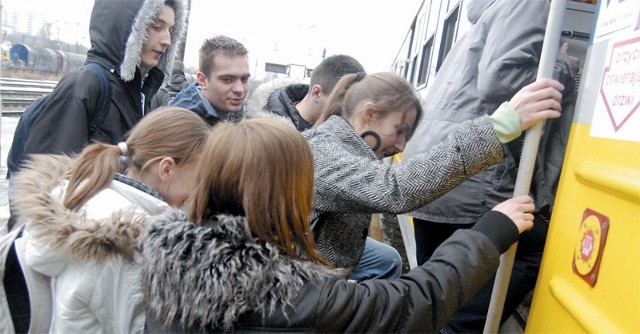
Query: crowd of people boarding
x=213 y=208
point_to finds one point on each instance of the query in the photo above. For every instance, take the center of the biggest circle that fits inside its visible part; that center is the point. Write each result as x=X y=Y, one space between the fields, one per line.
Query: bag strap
x=105 y=94
x=40 y=292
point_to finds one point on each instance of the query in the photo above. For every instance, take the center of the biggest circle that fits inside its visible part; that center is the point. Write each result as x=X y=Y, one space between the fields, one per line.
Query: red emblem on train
x=589 y=246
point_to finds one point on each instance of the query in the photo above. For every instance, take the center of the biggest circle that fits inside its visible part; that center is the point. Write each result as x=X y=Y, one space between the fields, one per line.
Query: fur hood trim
x=61 y=229
x=257 y=102
x=133 y=49
x=210 y=275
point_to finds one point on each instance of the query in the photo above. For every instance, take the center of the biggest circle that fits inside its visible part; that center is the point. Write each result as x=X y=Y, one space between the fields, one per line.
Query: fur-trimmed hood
x=278 y=98
x=118 y=29
x=257 y=101
x=212 y=274
x=76 y=235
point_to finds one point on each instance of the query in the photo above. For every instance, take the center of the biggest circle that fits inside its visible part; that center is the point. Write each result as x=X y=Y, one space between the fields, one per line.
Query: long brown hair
x=261 y=169
x=387 y=91
x=166 y=132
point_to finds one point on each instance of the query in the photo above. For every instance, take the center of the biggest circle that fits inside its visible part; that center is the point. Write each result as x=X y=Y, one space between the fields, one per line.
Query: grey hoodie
x=486 y=67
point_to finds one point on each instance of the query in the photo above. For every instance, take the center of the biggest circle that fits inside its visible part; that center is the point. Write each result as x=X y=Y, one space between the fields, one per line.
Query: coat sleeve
x=160 y=99
x=422 y=300
x=63 y=124
x=348 y=183
x=512 y=49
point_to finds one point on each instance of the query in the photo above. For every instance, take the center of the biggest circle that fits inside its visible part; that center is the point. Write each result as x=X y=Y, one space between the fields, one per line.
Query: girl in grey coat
x=372 y=116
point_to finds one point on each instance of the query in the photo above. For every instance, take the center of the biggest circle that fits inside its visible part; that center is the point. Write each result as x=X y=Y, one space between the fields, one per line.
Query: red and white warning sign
x=617 y=113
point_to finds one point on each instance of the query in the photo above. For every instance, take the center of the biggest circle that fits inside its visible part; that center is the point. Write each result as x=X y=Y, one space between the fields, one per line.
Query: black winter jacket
x=117 y=31
x=216 y=277
x=177 y=83
x=279 y=97
x=283 y=102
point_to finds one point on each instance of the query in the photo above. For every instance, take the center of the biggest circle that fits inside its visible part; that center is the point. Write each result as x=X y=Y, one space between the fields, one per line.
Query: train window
x=448 y=34
x=400 y=64
x=397 y=68
x=424 y=61
x=414 y=68
x=405 y=73
x=412 y=36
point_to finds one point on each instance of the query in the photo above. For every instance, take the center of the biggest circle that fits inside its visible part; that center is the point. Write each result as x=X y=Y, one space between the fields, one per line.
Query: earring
x=375 y=135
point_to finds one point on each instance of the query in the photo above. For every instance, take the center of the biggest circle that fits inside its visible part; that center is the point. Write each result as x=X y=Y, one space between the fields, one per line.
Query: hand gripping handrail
x=527 y=162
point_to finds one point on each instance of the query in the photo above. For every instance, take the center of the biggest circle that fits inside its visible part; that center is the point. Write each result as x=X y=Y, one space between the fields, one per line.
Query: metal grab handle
x=575 y=34
x=527 y=162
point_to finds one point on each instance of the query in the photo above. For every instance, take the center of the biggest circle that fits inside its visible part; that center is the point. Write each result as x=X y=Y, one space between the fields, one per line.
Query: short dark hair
x=217 y=45
x=331 y=69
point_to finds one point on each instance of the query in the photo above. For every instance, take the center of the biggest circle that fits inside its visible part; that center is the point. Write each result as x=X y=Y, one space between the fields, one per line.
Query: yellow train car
x=589 y=280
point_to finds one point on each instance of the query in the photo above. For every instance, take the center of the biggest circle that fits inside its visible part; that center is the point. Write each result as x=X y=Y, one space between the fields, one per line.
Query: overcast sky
x=297 y=31
x=278 y=31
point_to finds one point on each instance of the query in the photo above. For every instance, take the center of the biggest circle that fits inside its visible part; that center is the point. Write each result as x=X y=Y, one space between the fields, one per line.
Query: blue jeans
x=379 y=260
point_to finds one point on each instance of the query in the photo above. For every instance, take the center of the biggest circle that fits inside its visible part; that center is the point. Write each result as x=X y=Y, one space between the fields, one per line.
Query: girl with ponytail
x=84 y=216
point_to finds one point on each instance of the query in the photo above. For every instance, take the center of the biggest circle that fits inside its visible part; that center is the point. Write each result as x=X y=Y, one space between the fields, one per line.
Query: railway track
x=17 y=94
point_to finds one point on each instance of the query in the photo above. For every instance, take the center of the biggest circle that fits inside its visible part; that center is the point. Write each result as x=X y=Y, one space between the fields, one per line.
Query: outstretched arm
x=349 y=183
x=424 y=299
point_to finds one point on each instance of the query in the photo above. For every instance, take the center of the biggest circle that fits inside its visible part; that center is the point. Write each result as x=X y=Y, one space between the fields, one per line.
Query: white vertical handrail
x=409 y=239
x=527 y=162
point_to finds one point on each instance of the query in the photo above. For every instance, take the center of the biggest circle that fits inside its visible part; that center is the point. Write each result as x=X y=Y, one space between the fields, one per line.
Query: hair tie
x=360 y=76
x=124 y=150
x=123 y=159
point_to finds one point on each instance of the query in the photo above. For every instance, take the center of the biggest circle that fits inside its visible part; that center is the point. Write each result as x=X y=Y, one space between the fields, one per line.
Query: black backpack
x=23 y=129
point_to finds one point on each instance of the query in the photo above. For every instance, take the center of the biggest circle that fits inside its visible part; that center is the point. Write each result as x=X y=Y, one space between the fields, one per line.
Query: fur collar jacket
x=213 y=274
x=91 y=252
x=99 y=230
x=217 y=278
x=279 y=97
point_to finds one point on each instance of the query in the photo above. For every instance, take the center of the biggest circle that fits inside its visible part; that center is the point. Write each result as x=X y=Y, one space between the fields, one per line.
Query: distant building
x=54 y=26
x=22 y=22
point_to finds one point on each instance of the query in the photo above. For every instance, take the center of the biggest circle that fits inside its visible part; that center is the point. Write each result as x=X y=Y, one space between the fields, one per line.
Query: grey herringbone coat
x=351 y=183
